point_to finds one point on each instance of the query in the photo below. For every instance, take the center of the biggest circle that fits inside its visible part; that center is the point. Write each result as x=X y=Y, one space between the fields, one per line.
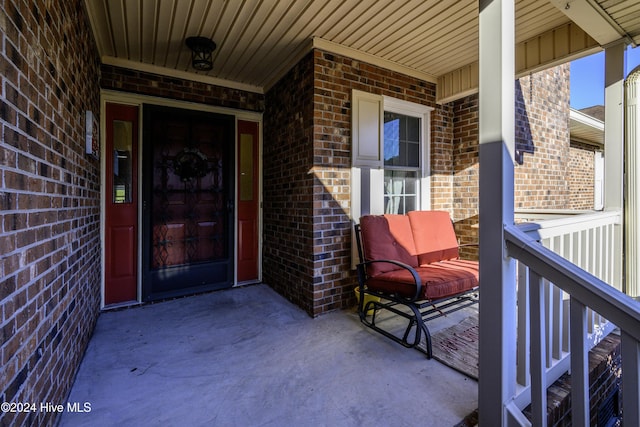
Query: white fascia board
x=585 y=119
x=592 y=19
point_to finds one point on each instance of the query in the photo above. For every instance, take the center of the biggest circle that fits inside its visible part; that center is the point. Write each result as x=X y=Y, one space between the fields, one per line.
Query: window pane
x=413 y=129
x=401 y=140
x=400 y=191
x=413 y=155
x=411 y=183
x=391 y=138
x=403 y=128
x=122 y=162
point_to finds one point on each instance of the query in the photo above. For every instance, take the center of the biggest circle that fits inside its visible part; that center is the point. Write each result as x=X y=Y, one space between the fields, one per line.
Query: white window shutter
x=367 y=128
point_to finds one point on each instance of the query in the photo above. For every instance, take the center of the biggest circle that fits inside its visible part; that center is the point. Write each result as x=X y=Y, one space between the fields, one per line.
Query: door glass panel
x=122 y=161
x=246 y=167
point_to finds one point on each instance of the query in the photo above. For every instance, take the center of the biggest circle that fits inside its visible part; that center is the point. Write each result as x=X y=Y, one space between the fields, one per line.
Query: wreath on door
x=190 y=164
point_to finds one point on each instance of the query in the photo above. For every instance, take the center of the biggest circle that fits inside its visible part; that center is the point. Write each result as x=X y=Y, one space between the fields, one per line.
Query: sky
x=587 y=78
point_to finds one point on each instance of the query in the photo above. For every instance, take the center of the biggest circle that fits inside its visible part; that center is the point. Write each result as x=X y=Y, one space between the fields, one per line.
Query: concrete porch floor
x=248 y=357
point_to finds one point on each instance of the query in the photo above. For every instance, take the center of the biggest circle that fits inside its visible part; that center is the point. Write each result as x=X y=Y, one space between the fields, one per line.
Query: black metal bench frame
x=417 y=311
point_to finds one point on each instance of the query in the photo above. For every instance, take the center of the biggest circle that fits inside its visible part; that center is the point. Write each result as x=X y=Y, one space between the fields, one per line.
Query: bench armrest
x=362 y=275
x=467 y=245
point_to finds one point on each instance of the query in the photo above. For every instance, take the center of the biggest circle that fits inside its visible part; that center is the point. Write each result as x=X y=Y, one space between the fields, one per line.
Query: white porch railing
x=588 y=240
x=558 y=302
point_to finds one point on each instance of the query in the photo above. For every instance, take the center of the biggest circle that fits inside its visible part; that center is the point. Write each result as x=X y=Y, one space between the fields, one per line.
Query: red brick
x=42 y=112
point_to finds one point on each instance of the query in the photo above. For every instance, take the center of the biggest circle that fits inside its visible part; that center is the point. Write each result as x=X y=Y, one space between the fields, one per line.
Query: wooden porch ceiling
x=259 y=40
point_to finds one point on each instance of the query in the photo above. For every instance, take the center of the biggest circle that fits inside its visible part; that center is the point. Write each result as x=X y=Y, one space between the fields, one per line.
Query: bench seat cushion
x=387 y=237
x=439 y=280
x=434 y=236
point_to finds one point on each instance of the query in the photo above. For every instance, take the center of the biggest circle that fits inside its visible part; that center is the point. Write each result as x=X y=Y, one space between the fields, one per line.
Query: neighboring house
x=586 y=178
x=284 y=173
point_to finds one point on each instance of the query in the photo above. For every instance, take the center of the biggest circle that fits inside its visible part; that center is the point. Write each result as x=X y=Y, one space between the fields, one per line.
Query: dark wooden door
x=121 y=213
x=188 y=202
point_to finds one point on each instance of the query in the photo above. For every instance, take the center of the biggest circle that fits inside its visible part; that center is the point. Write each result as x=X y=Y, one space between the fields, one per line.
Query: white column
x=613 y=125
x=497 y=272
x=614 y=143
x=632 y=199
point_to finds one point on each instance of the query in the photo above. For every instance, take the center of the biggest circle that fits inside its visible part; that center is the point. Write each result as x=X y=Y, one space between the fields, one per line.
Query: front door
x=187 y=202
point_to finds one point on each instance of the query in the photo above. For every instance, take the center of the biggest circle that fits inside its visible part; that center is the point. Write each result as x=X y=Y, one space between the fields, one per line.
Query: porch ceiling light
x=201 y=52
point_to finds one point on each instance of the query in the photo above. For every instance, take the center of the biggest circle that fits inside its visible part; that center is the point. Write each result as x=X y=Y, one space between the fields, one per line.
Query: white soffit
x=258 y=41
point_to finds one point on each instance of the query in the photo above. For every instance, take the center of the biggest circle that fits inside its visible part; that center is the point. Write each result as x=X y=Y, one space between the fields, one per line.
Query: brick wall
x=581 y=175
x=288 y=197
x=307 y=160
x=544 y=161
x=49 y=202
x=140 y=82
x=442 y=158
x=542 y=140
x=466 y=168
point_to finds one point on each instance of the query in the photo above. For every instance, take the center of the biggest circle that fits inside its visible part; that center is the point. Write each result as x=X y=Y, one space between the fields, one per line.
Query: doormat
x=457 y=346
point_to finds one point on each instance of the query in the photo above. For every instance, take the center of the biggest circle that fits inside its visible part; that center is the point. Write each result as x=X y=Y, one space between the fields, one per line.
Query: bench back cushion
x=387 y=237
x=434 y=236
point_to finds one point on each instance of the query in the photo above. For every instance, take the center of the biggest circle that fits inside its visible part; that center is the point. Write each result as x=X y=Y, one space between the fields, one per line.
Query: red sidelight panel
x=248 y=201
x=121 y=215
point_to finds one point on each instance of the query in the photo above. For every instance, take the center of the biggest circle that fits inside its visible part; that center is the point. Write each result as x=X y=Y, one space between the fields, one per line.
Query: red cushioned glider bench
x=410 y=264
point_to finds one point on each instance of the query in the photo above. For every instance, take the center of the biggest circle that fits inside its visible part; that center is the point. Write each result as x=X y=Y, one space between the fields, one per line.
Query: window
x=390 y=169
x=122 y=166
x=402 y=165
x=406 y=156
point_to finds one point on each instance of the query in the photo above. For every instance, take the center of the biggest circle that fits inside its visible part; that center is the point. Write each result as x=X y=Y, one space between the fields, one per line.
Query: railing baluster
x=565 y=326
x=548 y=322
x=598 y=253
x=587 y=250
x=606 y=255
x=593 y=257
x=538 y=350
x=523 y=362
x=579 y=364
x=576 y=242
x=557 y=325
x=630 y=350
